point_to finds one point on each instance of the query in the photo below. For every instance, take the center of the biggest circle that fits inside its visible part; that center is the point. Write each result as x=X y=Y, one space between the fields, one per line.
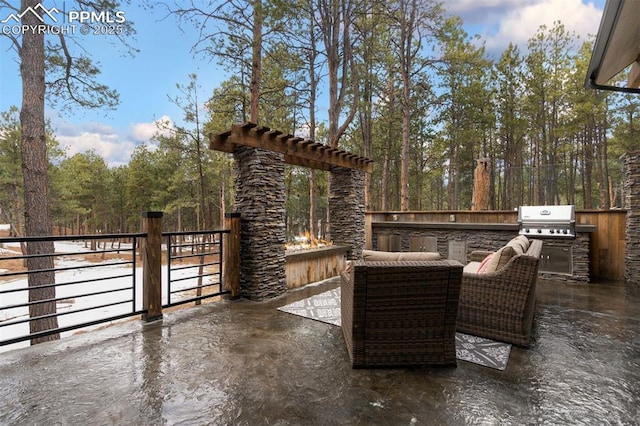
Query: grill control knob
x=551 y=231
x=539 y=231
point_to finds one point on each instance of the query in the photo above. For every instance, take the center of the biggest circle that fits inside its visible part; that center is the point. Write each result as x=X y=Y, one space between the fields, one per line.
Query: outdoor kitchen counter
x=448 y=225
x=565 y=258
x=458 y=225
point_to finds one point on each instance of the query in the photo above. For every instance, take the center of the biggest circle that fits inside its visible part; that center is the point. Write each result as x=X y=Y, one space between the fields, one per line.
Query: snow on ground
x=8 y=252
x=94 y=281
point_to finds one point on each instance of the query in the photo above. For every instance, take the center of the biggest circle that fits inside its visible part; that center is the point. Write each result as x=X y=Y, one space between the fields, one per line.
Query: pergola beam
x=296 y=150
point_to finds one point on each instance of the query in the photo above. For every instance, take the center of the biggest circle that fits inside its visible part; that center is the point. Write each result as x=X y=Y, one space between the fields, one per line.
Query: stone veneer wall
x=490 y=240
x=631 y=186
x=346 y=209
x=260 y=200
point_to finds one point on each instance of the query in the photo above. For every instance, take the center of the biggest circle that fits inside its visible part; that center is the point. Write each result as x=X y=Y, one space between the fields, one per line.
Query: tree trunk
x=601 y=140
x=256 y=61
x=313 y=89
x=481 y=185
x=366 y=106
x=385 y=190
x=406 y=65
x=204 y=210
x=36 y=180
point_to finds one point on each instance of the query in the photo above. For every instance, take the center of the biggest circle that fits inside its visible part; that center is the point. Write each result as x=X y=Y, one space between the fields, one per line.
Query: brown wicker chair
x=401 y=313
x=500 y=305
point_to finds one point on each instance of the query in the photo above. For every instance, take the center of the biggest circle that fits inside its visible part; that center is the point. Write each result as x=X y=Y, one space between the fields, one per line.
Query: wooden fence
x=606 y=248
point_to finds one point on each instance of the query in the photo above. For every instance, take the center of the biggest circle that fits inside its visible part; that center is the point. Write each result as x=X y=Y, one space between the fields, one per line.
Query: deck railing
x=104 y=278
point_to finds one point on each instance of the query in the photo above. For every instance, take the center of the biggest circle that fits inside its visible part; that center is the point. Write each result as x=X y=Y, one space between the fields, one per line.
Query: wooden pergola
x=297 y=151
x=260 y=155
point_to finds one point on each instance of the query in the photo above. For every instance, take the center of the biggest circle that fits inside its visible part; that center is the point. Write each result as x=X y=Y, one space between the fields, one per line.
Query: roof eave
x=617 y=46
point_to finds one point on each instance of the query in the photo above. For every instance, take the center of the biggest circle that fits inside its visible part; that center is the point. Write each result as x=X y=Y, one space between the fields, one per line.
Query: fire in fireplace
x=306 y=241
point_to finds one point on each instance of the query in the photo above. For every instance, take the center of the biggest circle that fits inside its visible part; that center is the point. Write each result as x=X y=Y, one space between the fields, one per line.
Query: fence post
x=152 y=266
x=231 y=265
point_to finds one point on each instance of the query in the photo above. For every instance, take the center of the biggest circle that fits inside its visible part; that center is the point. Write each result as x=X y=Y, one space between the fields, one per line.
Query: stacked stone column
x=260 y=200
x=632 y=205
x=347 y=210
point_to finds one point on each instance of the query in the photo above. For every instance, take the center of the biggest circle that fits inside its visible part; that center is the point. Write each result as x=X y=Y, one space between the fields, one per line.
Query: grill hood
x=547 y=221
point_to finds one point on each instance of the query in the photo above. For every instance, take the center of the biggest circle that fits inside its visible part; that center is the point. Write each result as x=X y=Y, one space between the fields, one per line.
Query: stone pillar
x=346 y=209
x=260 y=200
x=631 y=188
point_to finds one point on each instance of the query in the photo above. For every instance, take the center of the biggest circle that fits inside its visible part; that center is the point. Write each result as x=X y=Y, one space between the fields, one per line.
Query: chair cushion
x=520 y=244
x=374 y=255
x=419 y=255
x=500 y=258
x=482 y=268
x=471 y=267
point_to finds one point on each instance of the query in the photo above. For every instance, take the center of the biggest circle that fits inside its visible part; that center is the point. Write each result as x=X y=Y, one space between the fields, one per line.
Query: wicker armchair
x=500 y=305
x=401 y=313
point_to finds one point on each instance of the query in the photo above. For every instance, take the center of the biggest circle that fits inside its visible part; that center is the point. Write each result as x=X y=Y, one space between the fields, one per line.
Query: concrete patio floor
x=246 y=363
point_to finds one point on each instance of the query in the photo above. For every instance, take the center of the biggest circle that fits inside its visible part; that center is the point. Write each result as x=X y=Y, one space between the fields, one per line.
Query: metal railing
x=99 y=279
x=194 y=266
x=92 y=285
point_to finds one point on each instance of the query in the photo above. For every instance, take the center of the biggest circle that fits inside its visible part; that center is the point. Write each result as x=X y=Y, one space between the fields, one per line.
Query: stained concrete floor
x=246 y=363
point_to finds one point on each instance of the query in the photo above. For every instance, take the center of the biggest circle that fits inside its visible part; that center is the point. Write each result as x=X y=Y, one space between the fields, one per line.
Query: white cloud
x=474 y=8
x=107 y=142
x=144 y=132
x=504 y=21
x=102 y=139
x=522 y=24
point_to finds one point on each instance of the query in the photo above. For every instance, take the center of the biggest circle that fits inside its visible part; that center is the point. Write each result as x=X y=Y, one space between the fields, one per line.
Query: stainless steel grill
x=547 y=221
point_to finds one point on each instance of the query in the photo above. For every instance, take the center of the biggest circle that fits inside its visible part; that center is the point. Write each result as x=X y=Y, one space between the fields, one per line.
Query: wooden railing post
x=152 y=266
x=231 y=264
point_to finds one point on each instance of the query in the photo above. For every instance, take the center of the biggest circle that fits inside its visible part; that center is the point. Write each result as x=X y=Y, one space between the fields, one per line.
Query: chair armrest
x=517 y=276
x=479 y=255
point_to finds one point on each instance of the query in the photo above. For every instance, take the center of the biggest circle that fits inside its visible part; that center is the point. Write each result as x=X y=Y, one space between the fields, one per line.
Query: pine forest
x=400 y=82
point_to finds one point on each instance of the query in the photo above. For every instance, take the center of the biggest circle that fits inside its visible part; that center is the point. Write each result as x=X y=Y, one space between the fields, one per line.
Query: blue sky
x=146 y=80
